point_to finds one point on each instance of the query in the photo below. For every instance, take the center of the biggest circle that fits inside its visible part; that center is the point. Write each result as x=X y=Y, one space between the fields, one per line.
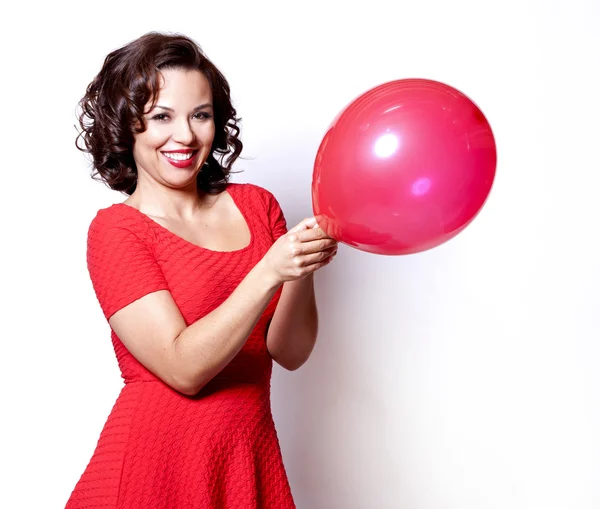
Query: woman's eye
x=202 y=115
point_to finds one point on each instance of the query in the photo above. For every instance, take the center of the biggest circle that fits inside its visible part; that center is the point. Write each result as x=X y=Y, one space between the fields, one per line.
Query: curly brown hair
x=113 y=107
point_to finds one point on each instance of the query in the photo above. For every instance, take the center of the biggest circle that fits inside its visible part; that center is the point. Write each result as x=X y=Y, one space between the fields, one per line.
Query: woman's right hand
x=300 y=252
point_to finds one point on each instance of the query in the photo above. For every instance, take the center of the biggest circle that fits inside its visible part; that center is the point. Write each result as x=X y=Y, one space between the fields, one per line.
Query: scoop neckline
x=196 y=246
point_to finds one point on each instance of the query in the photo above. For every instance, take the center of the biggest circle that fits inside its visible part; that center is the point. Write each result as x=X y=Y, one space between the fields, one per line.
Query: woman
x=201 y=283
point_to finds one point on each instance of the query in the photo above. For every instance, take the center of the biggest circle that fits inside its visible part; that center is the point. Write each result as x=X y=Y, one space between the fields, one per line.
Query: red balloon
x=403 y=168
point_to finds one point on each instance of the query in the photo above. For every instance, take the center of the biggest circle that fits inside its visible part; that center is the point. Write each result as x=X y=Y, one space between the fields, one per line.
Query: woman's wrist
x=265 y=277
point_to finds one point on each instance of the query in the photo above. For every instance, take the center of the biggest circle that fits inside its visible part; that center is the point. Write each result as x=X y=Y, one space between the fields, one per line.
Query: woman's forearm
x=220 y=335
x=293 y=330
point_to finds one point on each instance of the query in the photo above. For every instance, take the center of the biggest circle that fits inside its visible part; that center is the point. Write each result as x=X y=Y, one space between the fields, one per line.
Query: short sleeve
x=277 y=220
x=121 y=265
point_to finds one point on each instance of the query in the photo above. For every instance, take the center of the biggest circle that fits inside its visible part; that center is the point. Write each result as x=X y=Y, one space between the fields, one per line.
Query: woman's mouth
x=181 y=158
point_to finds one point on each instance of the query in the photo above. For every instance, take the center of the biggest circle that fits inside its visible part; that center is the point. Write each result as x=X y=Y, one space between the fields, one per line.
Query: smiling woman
x=179 y=131
x=201 y=283
x=130 y=85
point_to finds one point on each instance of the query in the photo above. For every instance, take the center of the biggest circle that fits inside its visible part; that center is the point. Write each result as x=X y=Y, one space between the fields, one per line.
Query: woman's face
x=179 y=131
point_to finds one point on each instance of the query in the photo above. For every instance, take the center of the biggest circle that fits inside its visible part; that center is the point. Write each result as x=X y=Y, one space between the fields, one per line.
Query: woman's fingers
x=315 y=246
x=305 y=224
x=310 y=248
x=307 y=230
x=317 y=257
x=310 y=234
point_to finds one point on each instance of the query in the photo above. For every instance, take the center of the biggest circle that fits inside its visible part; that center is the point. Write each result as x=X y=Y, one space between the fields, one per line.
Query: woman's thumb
x=305 y=224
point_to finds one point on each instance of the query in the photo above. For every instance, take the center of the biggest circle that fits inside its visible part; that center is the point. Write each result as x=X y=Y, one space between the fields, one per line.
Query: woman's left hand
x=313 y=239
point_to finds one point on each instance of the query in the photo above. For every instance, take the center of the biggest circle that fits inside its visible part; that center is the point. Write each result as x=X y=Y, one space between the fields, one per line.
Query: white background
x=465 y=377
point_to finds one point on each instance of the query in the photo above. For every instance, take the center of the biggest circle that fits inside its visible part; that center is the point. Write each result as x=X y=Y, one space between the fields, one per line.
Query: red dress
x=160 y=449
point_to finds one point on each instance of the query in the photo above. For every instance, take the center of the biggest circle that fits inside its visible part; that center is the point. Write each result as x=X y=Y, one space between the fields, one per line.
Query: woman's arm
x=187 y=357
x=293 y=330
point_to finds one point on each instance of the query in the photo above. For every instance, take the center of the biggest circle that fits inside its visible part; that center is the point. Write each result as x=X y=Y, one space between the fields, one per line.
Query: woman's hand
x=300 y=252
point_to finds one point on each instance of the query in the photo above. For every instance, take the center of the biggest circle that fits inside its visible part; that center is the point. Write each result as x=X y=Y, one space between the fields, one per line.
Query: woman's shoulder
x=252 y=192
x=117 y=219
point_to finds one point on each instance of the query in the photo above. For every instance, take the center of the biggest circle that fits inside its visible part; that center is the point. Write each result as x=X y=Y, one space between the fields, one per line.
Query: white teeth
x=178 y=156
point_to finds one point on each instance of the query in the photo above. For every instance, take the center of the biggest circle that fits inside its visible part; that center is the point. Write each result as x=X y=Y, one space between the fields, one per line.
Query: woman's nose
x=182 y=132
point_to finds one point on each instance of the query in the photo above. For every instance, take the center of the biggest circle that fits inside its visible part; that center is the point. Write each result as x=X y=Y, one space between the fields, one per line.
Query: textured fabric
x=160 y=449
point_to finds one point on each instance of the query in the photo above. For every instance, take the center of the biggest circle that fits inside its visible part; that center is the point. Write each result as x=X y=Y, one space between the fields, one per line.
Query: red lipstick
x=181 y=163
